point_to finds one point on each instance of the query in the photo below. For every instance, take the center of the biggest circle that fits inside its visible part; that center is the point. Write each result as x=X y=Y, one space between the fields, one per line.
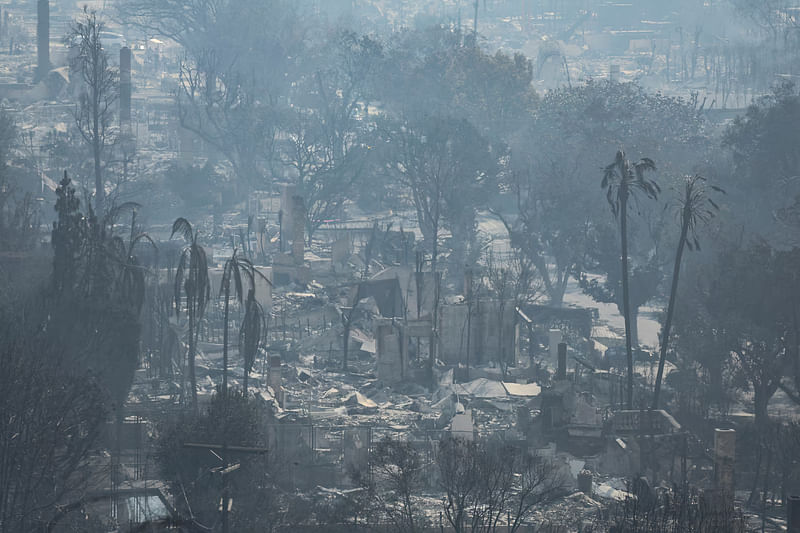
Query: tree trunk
x=434 y=338
x=754 y=488
x=192 y=349
x=435 y=323
x=225 y=407
x=468 y=290
x=225 y=342
x=561 y=288
x=99 y=190
x=764 y=488
x=501 y=356
x=554 y=292
x=670 y=309
x=625 y=298
x=116 y=463
x=760 y=403
x=225 y=464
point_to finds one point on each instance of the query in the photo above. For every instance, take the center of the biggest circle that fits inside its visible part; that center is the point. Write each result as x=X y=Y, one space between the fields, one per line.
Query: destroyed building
x=303 y=265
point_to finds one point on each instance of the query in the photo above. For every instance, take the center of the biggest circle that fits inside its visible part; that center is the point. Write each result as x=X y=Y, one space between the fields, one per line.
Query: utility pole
x=225 y=469
x=419 y=277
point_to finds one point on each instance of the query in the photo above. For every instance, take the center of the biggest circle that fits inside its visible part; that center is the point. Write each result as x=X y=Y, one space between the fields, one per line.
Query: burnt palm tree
x=237 y=271
x=240 y=271
x=131 y=276
x=251 y=334
x=129 y=290
x=191 y=279
x=622 y=181
x=694 y=209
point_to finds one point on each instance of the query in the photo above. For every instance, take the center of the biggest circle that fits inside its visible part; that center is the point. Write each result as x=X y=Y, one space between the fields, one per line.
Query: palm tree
x=240 y=270
x=694 y=208
x=191 y=279
x=622 y=180
x=129 y=290
x=251 y=333
x=131 y=281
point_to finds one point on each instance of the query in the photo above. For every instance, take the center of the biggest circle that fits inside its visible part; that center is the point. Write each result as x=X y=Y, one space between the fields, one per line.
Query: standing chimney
x=298 y=227
x=43 y=38
x=585 y=478
x=554 y=337
x=125 y=89
x=724 y=458
x=561 y=371
x=288 y=192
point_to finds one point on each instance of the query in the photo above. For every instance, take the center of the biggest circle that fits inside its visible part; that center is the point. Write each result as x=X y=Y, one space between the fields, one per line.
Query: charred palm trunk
x=225 y=406
x=435 y=323
x=225 y=343
x=634 y=311
x=670 y=308
x=761 y=400
x=625 y=294
x=192 y=352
